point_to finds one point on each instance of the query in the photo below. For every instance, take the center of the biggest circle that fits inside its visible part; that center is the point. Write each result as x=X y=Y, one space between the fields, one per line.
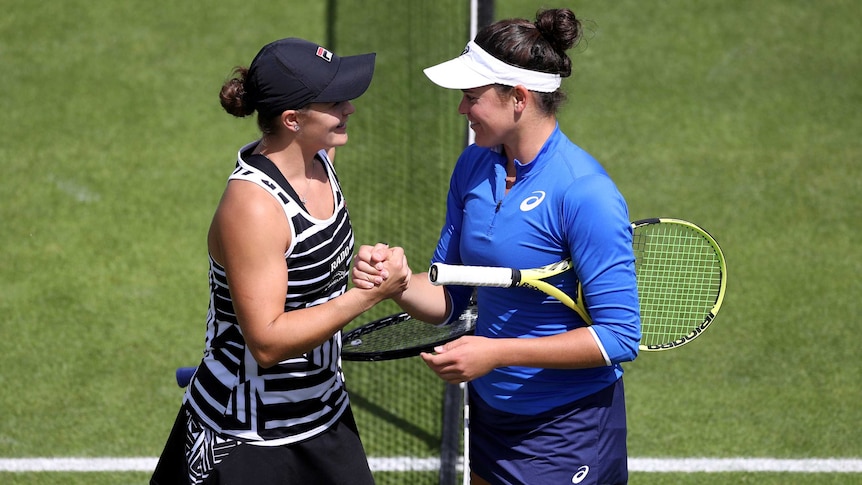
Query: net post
x=484 y=13
x=481 y=15
x=450 y=442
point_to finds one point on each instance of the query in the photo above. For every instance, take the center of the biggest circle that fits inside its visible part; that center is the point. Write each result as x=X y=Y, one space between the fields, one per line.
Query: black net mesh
x=404 y=139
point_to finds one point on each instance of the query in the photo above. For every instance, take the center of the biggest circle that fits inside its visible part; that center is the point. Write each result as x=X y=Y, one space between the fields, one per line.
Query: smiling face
x=491 y=115
x=324 y=125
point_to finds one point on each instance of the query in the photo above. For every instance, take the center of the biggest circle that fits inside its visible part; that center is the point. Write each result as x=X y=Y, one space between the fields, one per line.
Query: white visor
x=475 y=67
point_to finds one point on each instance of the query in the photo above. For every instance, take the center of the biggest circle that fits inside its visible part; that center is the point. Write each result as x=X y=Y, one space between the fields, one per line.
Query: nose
x=349 y=108
x=463 y=106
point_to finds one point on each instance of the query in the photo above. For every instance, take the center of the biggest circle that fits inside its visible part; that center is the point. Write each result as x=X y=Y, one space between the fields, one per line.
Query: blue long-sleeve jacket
x=563 y=204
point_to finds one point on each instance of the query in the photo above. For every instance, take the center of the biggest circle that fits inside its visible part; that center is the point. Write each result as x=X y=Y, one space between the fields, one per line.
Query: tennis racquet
x=400 y=335
x=681 y=279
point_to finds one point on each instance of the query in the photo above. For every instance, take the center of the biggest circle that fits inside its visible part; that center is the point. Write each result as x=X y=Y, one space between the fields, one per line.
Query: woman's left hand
x=462 y=360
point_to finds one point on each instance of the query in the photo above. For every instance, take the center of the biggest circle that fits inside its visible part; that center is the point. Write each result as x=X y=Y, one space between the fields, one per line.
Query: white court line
x=405 y=463
x=714 y=465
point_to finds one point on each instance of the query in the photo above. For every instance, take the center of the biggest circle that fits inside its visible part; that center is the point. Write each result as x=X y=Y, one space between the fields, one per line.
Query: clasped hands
x=381 y=266
x=458 y=361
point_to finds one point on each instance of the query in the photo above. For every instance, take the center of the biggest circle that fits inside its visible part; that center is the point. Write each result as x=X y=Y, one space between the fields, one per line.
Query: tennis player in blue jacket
x=546 y=392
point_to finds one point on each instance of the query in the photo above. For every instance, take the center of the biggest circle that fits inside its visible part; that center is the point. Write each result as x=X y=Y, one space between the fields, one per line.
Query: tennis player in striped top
x=546 y=396
x=267 y=404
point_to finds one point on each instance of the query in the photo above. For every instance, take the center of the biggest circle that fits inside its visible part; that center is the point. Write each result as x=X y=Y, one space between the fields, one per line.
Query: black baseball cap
x=291 y=73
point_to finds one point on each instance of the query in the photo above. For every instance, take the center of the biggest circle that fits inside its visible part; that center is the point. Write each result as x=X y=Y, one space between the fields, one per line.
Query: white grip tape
x=449 y=274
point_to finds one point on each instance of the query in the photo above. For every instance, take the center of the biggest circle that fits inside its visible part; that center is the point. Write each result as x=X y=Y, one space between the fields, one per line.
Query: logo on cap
x=324 y=54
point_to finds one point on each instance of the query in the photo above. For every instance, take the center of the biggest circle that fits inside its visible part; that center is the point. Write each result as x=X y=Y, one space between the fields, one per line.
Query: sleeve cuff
x=601 y=347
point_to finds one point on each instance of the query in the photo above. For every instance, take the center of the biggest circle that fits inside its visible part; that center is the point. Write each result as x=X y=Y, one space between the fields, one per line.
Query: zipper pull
x=497 y=209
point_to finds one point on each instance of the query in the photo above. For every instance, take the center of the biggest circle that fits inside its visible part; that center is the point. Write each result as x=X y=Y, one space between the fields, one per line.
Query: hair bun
x=559 y=27
x=233 y=96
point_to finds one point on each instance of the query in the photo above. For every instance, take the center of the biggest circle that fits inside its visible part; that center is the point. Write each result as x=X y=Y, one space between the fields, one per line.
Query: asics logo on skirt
x=581 y=474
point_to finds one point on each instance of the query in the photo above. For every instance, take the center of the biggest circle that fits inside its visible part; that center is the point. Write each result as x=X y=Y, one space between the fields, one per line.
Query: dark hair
x=234 y=99
x=539 y=46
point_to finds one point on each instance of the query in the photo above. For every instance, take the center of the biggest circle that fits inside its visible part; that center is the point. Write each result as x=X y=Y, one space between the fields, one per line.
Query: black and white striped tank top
x=298 y=398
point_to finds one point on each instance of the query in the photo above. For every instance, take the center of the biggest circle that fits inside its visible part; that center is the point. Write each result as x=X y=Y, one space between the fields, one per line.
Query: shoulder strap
x=329 y=168
x=266 y=166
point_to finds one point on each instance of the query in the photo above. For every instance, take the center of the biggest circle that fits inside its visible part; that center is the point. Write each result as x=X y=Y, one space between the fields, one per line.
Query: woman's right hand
x=382 y=269
x=369 y=269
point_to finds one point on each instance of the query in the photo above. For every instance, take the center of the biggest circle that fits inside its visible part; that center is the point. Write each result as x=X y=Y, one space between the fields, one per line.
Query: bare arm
x=248 y=237
x=471 y=357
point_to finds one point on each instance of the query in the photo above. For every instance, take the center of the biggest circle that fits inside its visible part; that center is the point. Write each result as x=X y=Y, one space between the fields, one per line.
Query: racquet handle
x=449 y=274
x=184 y=375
